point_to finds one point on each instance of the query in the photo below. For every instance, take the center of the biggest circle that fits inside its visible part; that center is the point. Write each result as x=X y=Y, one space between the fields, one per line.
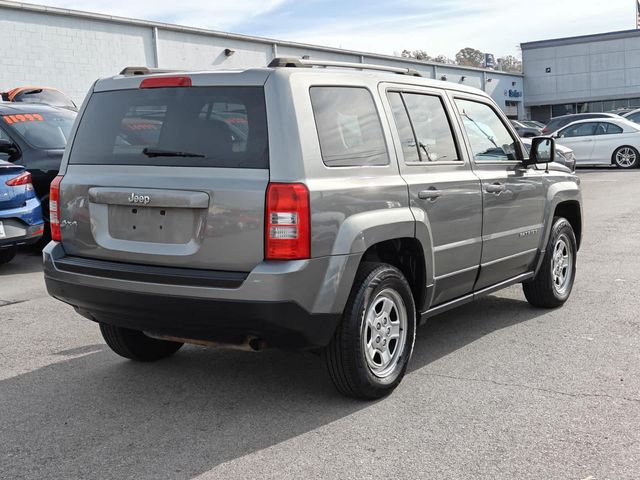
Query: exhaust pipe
x=249 y=344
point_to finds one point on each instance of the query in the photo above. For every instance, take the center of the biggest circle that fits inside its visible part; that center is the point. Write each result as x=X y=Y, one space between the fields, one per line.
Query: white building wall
x=582 y=69
x=69 y=50
x=200 y=52
x=67 y=53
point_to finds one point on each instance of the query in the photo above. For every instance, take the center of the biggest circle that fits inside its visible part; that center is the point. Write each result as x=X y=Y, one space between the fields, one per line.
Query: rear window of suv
x=349 y=127
x=185 y=126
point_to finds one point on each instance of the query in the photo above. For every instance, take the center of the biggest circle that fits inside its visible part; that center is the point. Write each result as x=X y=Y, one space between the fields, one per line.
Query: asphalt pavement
x=495 y=389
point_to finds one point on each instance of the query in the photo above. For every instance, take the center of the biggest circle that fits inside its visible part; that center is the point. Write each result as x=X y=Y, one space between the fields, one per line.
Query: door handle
x=496 y=188
x=429 y=194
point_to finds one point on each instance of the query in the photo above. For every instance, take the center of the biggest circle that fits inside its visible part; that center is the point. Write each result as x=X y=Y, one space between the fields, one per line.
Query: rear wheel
x=7 y=254
x=626 y=157
x=135 y=345
x=371 y=348
x=552 y=284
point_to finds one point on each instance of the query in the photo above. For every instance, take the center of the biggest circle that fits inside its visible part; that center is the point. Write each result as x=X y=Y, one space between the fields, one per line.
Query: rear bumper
x=288 y=304
x=19 y=233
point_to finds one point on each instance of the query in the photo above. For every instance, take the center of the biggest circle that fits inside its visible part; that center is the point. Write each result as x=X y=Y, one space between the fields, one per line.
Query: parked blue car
x=20 y=214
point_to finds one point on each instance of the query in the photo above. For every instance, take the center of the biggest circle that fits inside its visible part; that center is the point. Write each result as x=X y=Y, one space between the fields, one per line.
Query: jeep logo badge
x=143 y=199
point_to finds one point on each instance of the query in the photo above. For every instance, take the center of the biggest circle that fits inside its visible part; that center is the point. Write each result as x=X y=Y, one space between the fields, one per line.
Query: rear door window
x=432 y=127
x=190 y=127
x=405 y=130
x=349 y=127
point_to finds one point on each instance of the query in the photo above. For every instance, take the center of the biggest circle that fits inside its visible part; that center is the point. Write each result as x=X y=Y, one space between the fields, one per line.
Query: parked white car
x=602 y=141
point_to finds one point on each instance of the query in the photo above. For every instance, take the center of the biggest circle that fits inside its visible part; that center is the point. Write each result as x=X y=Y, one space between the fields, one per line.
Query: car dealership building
x=68 y=50
x=591 y=73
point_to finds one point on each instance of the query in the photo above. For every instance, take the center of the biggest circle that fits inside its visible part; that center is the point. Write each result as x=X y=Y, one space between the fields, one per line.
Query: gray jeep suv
x=300 y=207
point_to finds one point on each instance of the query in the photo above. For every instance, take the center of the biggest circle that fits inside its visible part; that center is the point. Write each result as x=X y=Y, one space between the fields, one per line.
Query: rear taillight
x=545 y=130
x=287 y=222
x=22 y=179
x=54 y=208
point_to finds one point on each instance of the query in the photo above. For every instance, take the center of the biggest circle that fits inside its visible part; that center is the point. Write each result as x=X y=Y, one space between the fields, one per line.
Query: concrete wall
x=582 y=69
x=68 y=50
x=67 y=53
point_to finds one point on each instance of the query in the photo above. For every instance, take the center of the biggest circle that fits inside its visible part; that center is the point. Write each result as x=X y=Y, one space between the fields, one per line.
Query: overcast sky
x=439 y=27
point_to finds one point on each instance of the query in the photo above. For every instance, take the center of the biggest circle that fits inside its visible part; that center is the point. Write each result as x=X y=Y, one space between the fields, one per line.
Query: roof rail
x=146 y=71
x=303 y=62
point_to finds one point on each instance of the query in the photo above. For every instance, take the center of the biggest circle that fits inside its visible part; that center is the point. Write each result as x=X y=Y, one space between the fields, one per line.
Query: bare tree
x=444 y=59
x=510 y=63
x=417 y=54
x=470 y=57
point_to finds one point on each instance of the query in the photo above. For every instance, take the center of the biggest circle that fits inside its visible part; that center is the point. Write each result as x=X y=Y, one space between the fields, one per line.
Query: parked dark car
x=43 y=95
x=20 y=215
x=557 y=123
x=35 y=137
x=532 y=123
x=525 y=131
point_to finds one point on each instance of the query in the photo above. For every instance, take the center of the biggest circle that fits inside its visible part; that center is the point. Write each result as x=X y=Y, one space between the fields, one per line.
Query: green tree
x=470 y=57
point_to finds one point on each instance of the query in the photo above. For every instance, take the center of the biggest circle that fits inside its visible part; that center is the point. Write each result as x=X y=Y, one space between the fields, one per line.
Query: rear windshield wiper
x=158 y=152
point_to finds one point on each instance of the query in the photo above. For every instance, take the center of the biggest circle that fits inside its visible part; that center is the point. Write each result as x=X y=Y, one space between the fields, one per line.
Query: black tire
x=135 y=345
x=543 y=290
x=346 y=356
x=7 y=254
x=630 y=160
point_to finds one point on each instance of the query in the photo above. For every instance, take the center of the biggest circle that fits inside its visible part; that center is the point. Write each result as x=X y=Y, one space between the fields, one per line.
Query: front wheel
x=371 y=348
x=626 y=157
x=553 y=283
x=135 y=345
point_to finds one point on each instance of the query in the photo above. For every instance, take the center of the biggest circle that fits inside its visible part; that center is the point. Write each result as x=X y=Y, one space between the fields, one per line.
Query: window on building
x=594 y=107
x=349 y=127
x=564 y=109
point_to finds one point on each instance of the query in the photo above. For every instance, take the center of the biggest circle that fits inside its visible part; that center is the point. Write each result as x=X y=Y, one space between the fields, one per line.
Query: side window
x=349 y=127
x=405 y=131
x=606 y=128
x=634 y=117
x=432 y=127
x=579 y=130
x=490 y=140
x=4 y=135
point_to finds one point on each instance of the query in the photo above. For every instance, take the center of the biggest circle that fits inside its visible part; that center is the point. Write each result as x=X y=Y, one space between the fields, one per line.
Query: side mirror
x=543 y=150
x=8 y=147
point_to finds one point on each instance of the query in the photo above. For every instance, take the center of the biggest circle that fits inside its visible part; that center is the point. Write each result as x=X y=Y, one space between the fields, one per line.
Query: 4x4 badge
x=144 y=199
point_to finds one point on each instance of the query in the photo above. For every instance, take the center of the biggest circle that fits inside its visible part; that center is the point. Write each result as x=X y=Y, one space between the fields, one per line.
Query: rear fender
x=361 y=231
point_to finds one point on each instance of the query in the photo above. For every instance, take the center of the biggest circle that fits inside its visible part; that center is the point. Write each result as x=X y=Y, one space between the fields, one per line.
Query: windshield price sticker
x=27 y=117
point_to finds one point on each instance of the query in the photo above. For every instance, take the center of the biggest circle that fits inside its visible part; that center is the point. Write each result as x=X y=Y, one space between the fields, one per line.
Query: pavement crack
x=529 y=387
x=6 y=303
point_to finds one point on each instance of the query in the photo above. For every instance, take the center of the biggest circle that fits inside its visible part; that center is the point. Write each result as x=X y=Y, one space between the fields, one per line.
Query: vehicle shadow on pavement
x=28 y=260
x=99 y=416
